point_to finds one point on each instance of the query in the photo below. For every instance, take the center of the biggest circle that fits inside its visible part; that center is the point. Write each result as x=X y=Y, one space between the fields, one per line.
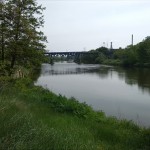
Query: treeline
x=21 y=41
x=133 y=55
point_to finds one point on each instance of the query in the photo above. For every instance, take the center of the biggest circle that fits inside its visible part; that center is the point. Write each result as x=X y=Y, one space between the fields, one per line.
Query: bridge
x=73 y=53
x=70 y=55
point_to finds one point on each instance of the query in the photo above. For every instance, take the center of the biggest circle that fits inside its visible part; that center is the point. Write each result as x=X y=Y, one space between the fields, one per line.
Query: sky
x=82 y=25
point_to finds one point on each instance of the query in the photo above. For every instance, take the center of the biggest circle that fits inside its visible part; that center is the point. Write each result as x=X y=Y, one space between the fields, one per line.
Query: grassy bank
x=34 y=118
x=117 y=62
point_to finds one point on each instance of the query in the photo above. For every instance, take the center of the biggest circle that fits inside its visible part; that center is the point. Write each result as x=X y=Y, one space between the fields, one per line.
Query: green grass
x=34 y=118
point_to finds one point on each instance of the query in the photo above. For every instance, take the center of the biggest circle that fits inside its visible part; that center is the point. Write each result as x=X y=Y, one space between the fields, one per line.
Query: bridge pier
x=51 y=61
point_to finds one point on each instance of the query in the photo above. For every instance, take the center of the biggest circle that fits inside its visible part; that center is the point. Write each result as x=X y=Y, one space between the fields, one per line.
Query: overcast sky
x=77 y=25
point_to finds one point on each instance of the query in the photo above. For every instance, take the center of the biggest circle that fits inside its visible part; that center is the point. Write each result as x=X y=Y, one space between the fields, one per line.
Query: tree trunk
x=2 y=56
x=13 y=59
x=2 y=33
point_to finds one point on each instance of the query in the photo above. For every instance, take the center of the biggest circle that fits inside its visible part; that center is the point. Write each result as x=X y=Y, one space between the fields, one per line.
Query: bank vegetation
x=34 y=118
x=132 y=56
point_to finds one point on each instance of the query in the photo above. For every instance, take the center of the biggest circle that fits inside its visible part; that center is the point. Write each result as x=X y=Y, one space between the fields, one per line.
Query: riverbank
x=34 y=118
x=117 y=62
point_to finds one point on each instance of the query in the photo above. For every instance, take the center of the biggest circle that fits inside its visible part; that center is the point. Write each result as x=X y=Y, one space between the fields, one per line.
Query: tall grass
x=34 y=118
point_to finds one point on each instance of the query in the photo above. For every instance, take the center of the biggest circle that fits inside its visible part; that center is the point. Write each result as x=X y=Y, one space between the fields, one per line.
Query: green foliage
x=130 y=56
x=100 y=59
x=146 y=137
x=4 y=69
x=23 y=83
x=115 y=62
x=143 y=51
x=103 y=50
x=58 y=103
x=119 y=54
x=22 y=42
x=34 y=118
x=89 y=58
x=95 y=56
x=26 y=130
x=137 y=55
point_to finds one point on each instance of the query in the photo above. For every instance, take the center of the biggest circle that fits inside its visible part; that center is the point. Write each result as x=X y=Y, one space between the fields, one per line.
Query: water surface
x=120 y=92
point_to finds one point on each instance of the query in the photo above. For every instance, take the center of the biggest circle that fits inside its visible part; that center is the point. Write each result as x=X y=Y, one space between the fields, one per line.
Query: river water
x=120 y=92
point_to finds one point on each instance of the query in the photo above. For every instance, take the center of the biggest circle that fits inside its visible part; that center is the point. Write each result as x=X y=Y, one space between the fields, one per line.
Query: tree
x=101 y=57
x=2 y=24
x=103 y=50
x=144 y=51
x=130 y=56
x=25 y=41
x=89 y=58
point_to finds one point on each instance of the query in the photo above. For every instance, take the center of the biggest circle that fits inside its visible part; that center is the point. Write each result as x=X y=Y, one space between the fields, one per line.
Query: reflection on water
x=141 y=77
x=120 y=92
x=65 y=69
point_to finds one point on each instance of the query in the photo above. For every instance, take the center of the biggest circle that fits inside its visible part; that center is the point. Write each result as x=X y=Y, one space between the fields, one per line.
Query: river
x=120 y=92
